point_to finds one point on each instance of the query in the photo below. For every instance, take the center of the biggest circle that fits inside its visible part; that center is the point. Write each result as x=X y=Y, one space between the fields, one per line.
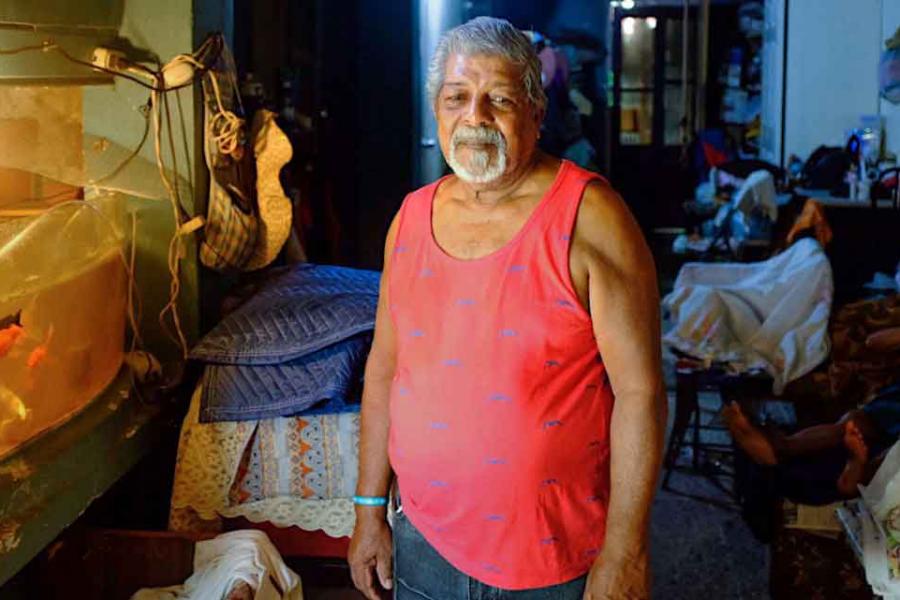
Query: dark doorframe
x=651 y=177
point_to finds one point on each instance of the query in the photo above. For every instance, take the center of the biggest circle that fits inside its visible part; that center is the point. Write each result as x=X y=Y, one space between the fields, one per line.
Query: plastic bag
x=881 y=547
x=883 y=492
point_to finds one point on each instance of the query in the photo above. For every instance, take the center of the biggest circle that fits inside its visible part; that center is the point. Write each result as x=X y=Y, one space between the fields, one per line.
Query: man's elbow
x=647 y=405
x=380 y=368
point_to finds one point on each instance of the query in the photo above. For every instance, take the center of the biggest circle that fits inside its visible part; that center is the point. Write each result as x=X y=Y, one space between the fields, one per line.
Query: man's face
x=487 y=126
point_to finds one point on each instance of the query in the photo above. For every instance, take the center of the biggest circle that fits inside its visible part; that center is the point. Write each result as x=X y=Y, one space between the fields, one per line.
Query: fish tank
x=63 y=298
x=70 y=182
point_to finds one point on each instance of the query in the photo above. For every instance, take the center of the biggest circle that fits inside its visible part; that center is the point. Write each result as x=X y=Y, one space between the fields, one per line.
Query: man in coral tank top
x=513 y=388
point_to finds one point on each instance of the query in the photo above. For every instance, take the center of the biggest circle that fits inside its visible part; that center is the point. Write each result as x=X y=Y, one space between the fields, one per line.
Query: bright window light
x=627 y=4
x=651 y=22
x=628 y=26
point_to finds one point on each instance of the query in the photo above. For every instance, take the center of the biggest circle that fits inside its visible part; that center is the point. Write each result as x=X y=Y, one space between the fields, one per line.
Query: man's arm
x=624 y=307
x=370 y=547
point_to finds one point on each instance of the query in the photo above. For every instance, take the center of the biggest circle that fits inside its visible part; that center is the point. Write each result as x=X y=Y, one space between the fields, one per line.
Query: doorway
x=650 y=129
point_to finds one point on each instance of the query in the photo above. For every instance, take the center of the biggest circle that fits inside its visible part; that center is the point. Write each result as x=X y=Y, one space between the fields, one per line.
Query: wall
x=833 y=48
x=831 y=81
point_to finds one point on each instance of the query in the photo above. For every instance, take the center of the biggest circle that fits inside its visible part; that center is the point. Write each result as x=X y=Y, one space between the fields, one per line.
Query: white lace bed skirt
x=290 y=472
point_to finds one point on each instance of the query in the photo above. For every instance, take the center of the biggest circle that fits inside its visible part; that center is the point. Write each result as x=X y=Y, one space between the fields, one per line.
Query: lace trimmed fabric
x=293 y=471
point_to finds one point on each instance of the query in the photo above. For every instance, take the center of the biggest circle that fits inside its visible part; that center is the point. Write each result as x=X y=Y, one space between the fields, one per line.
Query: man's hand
x=370 y=549
x=619 y=578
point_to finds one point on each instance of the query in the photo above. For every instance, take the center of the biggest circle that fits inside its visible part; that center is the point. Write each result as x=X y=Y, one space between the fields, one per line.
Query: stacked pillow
x=298 y=346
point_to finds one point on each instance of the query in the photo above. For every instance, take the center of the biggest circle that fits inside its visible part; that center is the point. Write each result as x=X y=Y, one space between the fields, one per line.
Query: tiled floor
x=700 y=550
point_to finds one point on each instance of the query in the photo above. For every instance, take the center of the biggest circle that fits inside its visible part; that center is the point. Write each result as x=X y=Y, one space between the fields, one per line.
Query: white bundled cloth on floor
x=771 y=315
x=225 y=561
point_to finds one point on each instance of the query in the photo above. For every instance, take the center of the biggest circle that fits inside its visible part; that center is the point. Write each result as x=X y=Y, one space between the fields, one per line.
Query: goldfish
x=38 y=355
x=8 y=338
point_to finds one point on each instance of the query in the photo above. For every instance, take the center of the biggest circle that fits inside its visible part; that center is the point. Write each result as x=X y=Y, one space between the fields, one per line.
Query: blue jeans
x=421 y=573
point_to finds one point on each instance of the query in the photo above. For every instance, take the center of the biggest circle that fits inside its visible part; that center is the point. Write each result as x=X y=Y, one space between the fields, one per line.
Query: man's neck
x=501 y=190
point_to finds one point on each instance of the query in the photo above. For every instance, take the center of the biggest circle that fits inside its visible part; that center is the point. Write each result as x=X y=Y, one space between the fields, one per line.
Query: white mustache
x=477 y=135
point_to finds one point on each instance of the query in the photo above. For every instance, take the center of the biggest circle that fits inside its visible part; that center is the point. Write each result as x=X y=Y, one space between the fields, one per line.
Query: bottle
x=864 y=186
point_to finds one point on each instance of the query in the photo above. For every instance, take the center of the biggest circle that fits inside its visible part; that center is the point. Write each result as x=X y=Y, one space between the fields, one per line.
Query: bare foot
x=749 y=437
x=241 y=591
x=856 y=464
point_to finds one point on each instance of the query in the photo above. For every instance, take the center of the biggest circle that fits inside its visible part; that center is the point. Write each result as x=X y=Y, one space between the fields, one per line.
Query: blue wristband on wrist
x=370 y=500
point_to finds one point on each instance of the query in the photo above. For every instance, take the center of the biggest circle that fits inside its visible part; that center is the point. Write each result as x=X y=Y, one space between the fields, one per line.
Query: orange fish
x=8 y=338
x=38 y=355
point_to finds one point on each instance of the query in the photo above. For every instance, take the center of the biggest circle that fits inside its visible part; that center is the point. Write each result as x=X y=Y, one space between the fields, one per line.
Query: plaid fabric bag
x=231 y=231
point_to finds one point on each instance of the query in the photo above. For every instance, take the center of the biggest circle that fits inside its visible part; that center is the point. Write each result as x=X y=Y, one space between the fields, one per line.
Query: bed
x=271 y=435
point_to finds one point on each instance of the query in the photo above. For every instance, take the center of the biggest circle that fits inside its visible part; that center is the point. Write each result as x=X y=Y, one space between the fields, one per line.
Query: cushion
x=325 y=381
x=308 y=308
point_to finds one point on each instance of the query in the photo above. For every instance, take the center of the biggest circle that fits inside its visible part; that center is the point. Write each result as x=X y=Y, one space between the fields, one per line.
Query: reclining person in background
x=866 y=433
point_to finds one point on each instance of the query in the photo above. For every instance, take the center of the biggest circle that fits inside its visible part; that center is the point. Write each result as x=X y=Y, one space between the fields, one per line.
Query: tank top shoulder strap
x=414 y=217
x=566 y=199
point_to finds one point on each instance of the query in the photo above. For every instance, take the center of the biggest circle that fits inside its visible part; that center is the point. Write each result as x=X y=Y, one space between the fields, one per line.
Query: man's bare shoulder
x=606 y=229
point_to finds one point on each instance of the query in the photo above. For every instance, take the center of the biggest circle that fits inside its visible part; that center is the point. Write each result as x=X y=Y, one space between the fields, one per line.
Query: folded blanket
x=325 y=381
x=298 y=346
x=304 y=310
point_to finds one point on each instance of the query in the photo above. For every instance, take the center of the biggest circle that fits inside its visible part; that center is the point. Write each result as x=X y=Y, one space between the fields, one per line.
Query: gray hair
x=493 y=37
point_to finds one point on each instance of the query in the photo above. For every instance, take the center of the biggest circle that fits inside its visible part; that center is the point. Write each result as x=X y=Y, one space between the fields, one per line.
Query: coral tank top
x=500 y=405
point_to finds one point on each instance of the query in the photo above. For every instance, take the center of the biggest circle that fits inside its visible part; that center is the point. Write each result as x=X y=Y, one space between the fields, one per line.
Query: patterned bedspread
x=292 y=471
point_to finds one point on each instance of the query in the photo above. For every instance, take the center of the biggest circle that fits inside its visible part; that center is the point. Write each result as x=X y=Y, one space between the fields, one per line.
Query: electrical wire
x=136 y=65
x=125 y=162
x=227 y=136
x=159 y=109
x=184 y=139
x=49 y=45
x=175 y=284
x=227 y=127
x=173 y=258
